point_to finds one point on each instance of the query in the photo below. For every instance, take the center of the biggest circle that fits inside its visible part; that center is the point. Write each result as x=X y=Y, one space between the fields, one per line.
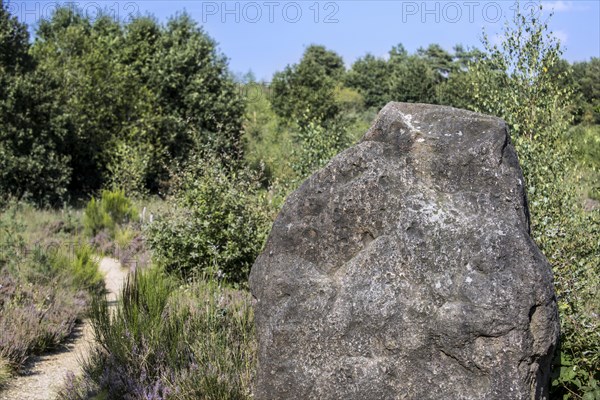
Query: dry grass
x=45 y=281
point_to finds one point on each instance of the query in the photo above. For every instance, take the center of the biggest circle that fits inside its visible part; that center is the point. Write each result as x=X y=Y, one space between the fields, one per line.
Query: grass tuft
x=5 y=373
x=169 y=340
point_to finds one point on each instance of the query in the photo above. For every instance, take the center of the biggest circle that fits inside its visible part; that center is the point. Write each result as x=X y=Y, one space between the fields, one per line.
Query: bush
x=218 y=224
x=112 y=209
x=170 y=342
x=81 y=267
x=584 y=143
x=316 y=145
x=129 y=167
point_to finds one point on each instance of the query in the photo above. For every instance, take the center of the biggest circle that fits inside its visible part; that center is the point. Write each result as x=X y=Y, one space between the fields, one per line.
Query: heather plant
x=38 y=309
x=168 y=340
x=22 y=220
x=78 y=388
x=44 y=281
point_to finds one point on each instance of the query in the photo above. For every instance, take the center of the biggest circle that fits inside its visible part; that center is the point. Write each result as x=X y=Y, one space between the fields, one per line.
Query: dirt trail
x=45 y=374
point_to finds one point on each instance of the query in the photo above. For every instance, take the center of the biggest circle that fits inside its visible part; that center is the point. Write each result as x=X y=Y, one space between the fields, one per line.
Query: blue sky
x=265 y=36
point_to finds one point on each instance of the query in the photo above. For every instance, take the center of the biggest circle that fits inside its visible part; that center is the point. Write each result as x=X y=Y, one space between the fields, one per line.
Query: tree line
x=97 y=103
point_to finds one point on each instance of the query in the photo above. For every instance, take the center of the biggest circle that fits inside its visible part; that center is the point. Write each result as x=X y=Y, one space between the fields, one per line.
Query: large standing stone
x=404 y=269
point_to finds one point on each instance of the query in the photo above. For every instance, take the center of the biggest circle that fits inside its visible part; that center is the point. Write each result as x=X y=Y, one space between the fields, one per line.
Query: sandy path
x=44 y=374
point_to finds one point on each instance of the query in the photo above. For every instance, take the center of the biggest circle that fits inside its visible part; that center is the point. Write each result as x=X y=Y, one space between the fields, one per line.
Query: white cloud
x=558 y=5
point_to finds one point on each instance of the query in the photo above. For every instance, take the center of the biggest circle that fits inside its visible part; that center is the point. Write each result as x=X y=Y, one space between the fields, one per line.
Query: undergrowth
x=168 y=340
x=45 y=283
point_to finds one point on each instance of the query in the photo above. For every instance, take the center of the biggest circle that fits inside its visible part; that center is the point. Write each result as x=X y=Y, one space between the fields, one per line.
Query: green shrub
x=117 y=206
x=194 y=341
x=316 y=145
x=129 y=167
x=113 y=209
x=93 y=218
x=123 y=237
x=584 y=143
x=80 y=267
x=569 y=237
x=84 y=269
x=219 y=222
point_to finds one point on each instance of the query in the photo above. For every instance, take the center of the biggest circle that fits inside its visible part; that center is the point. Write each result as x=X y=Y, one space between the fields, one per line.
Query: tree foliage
x=89 y=97
x=515 y=80
x=430 y=75
x=305 y=91
x=413 y=80
x=316 y=145
x=33 y=164
x=370 y=76
x=586 y=76
x=14 y=43
x=195 y=90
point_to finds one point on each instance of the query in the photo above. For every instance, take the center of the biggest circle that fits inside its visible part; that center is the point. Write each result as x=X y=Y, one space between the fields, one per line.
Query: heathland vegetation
x=134 y=140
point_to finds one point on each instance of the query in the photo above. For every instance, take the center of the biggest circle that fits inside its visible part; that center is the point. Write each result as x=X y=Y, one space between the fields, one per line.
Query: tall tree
x=196 y=90
x=331 y=62
x=438 y=59
x=370 y=76
x=14 y=43
x=33 y=163
x=305 y=91
x=412 y=80
x=398 y=53
x=462 y=57
x=81 y=55
x=456 y=90
x=137 y=96
x=587 y=84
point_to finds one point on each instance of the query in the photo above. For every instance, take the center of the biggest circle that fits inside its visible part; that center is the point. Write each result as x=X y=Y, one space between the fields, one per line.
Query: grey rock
x=404 y=269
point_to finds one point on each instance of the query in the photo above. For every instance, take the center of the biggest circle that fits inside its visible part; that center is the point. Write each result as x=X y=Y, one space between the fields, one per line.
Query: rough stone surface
x=404 y=269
